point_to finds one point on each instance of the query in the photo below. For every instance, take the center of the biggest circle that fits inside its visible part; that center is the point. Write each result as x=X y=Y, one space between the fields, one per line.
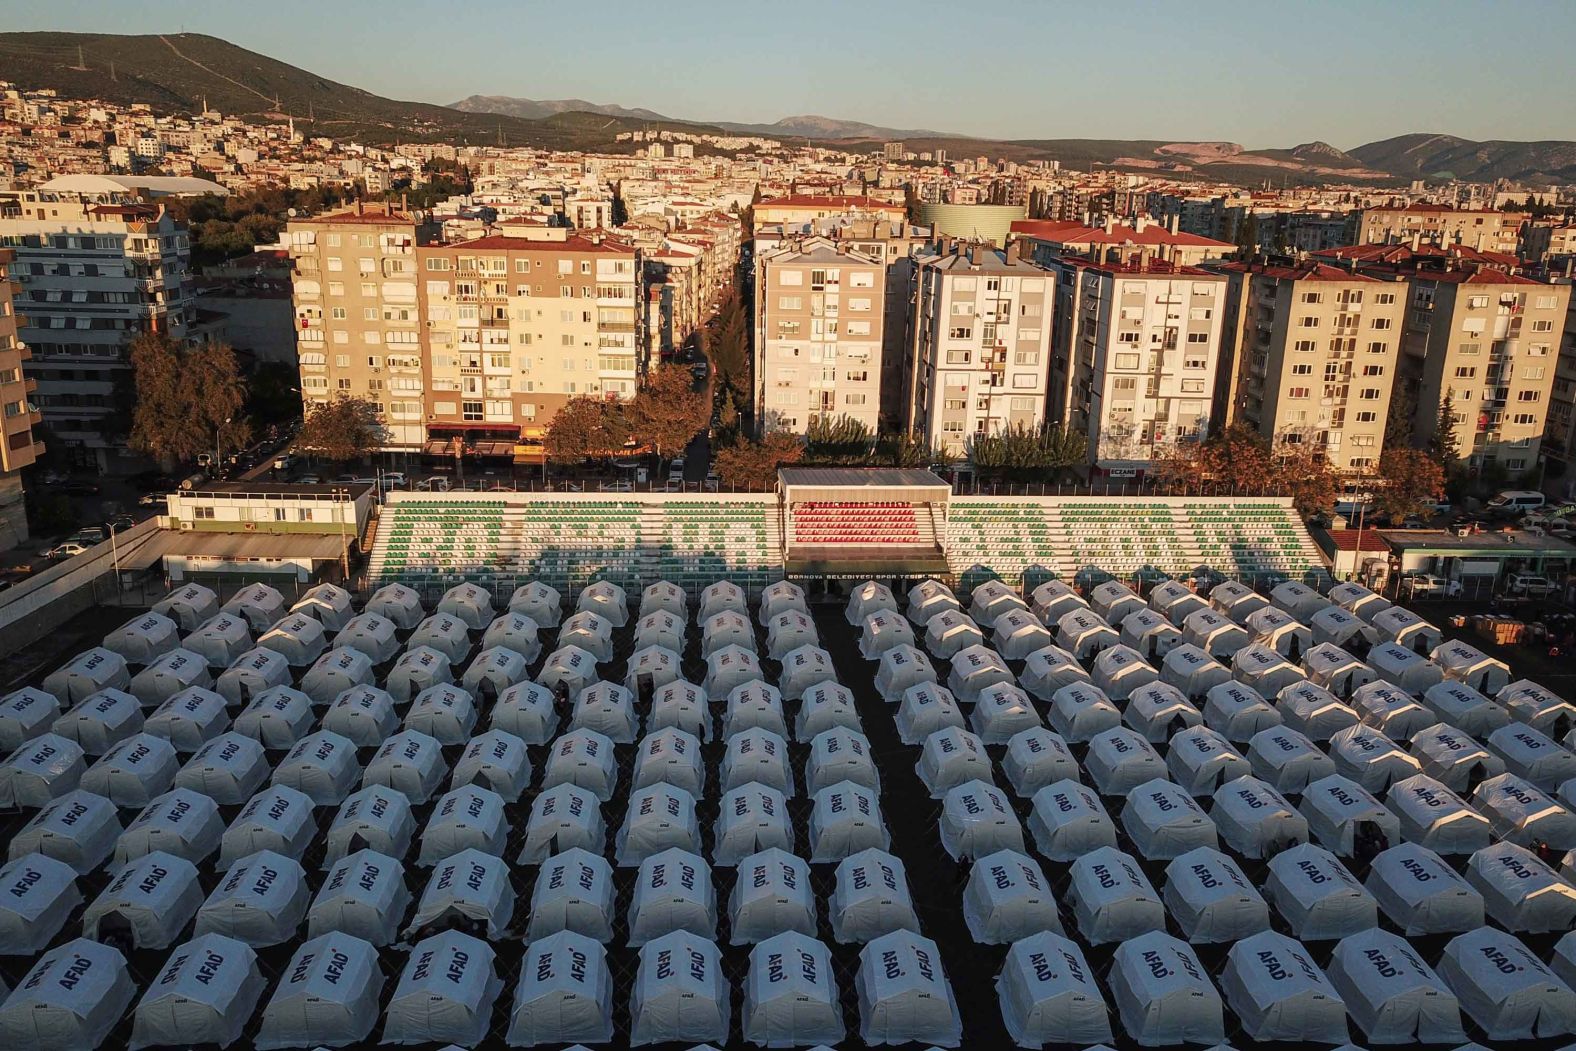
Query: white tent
x=583 y=758
x=1160 y=712
x=673 y=756
x=1163 y=821
x=261 y=901
x=134 y=771
x=1317 y=896
x=1331 y=667
x=1338 y=627
x=45 y=768
x=727 y=627
x=1522 y=813
x=752 y=817
x=673 y=892
x=1255 y=820
x=975 y=669
x=1193 y=671
x=651 y=667
x=784 y=594
x=1048 y=994
x=219 y=640
x=204 y=995
x=838 y=755
x=517 y=632
x=1532 y=754
x=469 y=603
x=444 y=712
x=188 y=605
x=467 y=885
x=1564 y=959
x=870 y=597
x=1008 y=898
x=1287 y=759
x=1119 y=670
x=327 y=603
x=1519 y=891
x=396 y=603
x=79 y=829
x=928 y=598
x=1453 y=758
x=328 y=996
x=410 y=763
x=364 y=895
x=565 y=993
x=189 y=719
x=1404 y=668
x=1279 y=993
x=228 y=769
x=729 y=667
x=335 y=672
x=494 y=670
x=25 y=714
x=1201 y=760
x=977 y=819
x=180 y=822
x=1002 y=710
x=101 y=721
x=1037 y=757
x=990 y=600
x=169 y=674
x=1470 y=665
x=41 y=893
x=902 y=667
x=1280 y=631
x=1068 y=821
x=845 y=818
x=463 y=818
x=950 y=757
x=789 y=630
x=1211 y=899
x=826 y=706
x=1049 y=669
x=757 y=755
x=664 y=596
x=296 y=637
x=1082 y=633
x=1392 y=995
x=661 y=627
x=277 y=819
x=445 y=994
x=142 y=640
x=364 y=715
x=904 y=994
x=1313 y=711
x=659 y=816
x=881 y=631
x=155 y=896
x=1052 y=599
x=606 y=599
x=1214 y=633
x=446 y=634
x=495 y=760
x=752 y=705
x=278 y=717
x=1527 y=702
x=1337 y=809
x=681 y=993
x=803 y=668
x=526 y=710
x=1297 y=600
x=588 y=631
x=70 y=1000
x=1113 y=601
x=1370 y=758
x=925 y=708
x=724 y=596
x=772 y=895
x=790 y=997
x=1163 y=994
x=1433 y=816
x=1119 y=760
x=253 y=672
x=949 y=631
x=608 y=709
x=563 y=817
x=1018 y=633
x=1237 y=711
x=259 y=604
x=1150 y=634
x=1406 y=629
x=1421 y=894
x=1175 y=601
x=871 y=897
x=375 y=818
x=1355 y=598
x=1507 y=990
x=1264 y=670
x=538 y=601
x=574 y=892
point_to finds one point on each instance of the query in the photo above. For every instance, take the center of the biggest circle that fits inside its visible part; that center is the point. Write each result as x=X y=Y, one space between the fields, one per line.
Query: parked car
x=151 y=500
x=65 y=550
x=1414 y=522
x=284 y=462
x=77 y=487
x=118 y=522
x=90 y=535
x=434 y=484
x=309 y=479
x=1510 y=503
x=1427 y=585
x=1530 y=586
x=615 y=487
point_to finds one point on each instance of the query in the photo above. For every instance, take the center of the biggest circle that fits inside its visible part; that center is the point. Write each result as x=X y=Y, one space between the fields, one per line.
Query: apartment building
x=1559 y=436
x=1311 y=355
x=819 y=329
x=520 y=321
x=92 y=275
x=804 y=208
x=1484 y=229
x=980 y=359
x=1551 y=245
x=358 y=316
x=1135 y=350
x=18 y=447
x=1045 y=240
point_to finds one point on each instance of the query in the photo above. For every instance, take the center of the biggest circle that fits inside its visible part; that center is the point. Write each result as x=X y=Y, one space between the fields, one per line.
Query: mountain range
x=183 y=72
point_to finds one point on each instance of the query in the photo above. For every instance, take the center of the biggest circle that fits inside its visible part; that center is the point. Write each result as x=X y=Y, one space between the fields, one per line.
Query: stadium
x=855 y=763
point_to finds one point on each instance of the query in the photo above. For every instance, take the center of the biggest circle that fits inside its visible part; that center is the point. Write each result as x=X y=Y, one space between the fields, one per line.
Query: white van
x=1512 y=502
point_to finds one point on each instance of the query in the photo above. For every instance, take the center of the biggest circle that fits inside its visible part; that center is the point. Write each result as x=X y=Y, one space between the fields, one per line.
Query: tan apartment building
x=1440 y=224
x=1045 y=240
x=1559 y=435
x=981 y=357
x=18 y=414
x=1311 y=357
x=819 y=331
x=807 y=207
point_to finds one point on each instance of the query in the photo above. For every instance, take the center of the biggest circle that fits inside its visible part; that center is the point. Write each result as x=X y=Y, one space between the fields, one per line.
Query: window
x=1128 y=337
x=1529 y=395
x=1127 y=361
x=790 y=277
x=1384 y=297
x=1192 y=386
x=1516 y=465
x=1466 y=372
x=1124 y=383
x=1378 y=347
x=1026 y=357
x=1369 y=394
x=1312 y=297
x=1379 y=323
x=1477 y=302
x=1373 y=370
x=1362 y=441
x=1023 y=380
x=1543 y=325
x=1532 y=372
x=1367 y=416
x=1198 y=337
x=790 y=302
x=960 y=332
x=1524 y=418
x=959 y=357
x=1308 y=322
x=1302 y=370
x=1304 y=346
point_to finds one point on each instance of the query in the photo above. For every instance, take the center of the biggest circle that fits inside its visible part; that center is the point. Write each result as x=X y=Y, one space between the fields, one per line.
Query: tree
x=1443 y=446
x=1410 y=480
x=1398 y=429
x=1023 y=453
x=667 y=412
x=753 y=465
x=841 y=440
x=187 y=396
x=1301 y=472
x=585 y=428
x=909 y=450
x=342 y=430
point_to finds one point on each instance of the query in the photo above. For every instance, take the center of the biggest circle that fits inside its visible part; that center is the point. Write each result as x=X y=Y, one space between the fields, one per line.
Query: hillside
x=1446 y=156
x=536 y=109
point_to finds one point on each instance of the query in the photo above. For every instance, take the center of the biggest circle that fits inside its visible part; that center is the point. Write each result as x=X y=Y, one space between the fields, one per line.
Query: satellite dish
x=291 y=212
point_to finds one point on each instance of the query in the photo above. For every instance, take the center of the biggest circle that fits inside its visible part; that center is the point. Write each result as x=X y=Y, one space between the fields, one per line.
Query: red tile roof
x=1309 y=271
x=1078 y=234
x=807 y=200
x=367 y=217
x=1358 y=540
x=578 y=243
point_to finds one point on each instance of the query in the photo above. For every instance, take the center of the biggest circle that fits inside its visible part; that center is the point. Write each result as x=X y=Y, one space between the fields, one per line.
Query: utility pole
x=342 y=497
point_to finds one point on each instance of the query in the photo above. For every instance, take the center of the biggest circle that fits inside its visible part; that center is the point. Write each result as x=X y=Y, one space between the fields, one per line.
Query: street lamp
x=342 y=498
x=217 y=433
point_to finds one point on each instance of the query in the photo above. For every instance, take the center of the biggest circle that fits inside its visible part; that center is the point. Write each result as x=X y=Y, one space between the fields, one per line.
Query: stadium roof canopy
x=153 y=185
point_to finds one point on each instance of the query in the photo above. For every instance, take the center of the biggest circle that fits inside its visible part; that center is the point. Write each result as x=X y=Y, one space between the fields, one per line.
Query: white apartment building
x=981 y=355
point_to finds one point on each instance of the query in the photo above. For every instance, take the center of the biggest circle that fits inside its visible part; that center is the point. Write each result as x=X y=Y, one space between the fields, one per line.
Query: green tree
x=1248 y=236
x=585 y=428
x=753 y=465
x=909 y=450
x=1443 y=446
x=342 y=430
x=1021 y=453
x=667 y=412
x=188 y=396
x=839 y=440
x=1410 y=480
x=1398 y=429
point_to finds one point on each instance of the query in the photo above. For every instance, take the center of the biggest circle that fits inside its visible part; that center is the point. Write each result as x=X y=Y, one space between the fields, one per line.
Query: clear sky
x=1271 y=73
